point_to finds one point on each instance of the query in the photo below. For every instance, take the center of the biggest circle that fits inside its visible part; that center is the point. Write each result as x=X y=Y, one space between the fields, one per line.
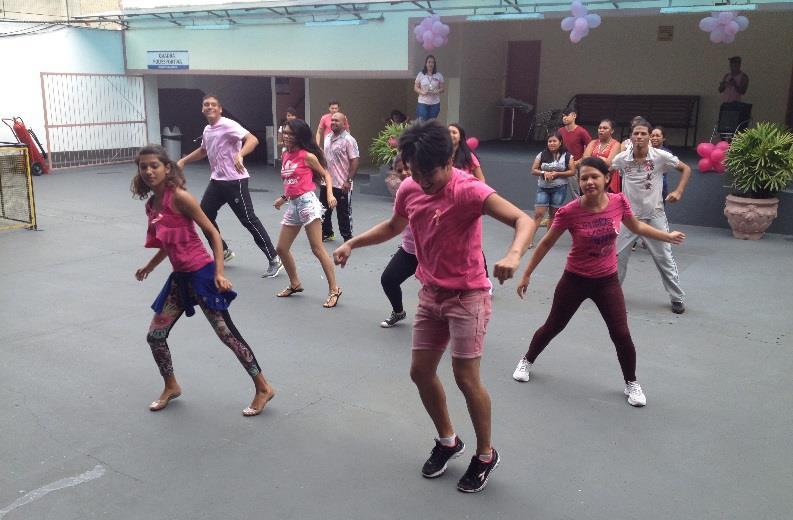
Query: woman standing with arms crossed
x=606 y=147
x=301 y=161
x=463 y=158
x=429 y=87
x=594 y=222
x=552 y=167
x=196 y=280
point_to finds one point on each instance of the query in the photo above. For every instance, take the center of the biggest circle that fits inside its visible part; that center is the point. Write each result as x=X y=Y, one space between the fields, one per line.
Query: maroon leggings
x=606 y=292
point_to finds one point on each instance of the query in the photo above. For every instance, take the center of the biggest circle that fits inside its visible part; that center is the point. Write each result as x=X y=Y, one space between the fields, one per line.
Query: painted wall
x=367 y=103
x=63 y=50
x=271 y=50
x=621 y=56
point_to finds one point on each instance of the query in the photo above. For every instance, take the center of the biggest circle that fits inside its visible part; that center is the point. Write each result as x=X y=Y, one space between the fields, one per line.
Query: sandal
x=252 y=412
x=289 y=291
x=159 y=404
x=333 y=298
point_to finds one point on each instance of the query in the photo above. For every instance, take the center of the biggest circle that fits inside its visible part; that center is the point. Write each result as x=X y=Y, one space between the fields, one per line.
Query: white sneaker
x=635 y=395
x=522 y=371
x=228 y=254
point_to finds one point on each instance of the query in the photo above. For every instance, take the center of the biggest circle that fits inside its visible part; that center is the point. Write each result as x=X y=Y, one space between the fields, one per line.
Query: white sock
x=448 y=441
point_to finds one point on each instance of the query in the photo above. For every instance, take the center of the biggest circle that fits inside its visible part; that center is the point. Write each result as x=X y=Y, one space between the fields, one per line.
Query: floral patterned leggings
x=163 y=322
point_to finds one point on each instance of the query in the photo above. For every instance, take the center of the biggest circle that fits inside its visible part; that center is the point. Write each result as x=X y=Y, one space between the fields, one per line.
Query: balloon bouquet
x=432 y=33
x=723 y=26
x=712 y=156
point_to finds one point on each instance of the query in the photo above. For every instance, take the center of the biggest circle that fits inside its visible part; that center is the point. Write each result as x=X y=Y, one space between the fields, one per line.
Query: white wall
x=64 y=50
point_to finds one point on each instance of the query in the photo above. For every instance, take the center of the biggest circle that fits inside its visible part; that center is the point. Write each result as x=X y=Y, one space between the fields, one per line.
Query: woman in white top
x=429 y=86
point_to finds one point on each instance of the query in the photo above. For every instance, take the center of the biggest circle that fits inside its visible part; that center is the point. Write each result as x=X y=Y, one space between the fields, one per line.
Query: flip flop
x=289 y=291
x=159 y=404
x=333 y=298
x=251 y=412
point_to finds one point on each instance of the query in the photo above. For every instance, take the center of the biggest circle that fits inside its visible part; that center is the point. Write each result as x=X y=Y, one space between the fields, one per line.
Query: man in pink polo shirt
x=342 y=155
x=323 y=128
x=444 y=207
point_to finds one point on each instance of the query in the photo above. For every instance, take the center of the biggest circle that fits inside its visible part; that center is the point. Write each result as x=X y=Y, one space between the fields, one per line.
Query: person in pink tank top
x=197 y=278
x=606 y=147
x=594 y=220
x=299 y=164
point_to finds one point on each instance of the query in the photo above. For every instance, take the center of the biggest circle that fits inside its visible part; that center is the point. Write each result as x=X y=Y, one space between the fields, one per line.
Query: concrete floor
x=346 y=435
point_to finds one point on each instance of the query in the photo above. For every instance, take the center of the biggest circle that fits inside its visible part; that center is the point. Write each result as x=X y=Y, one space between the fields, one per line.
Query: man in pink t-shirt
x=444 y=208
x=225 y=143
x=323 y=128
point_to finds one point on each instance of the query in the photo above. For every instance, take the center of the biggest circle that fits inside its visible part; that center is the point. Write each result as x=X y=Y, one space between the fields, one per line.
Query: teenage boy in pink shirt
x=225 y=143
x=444 y=208
x=323 y=128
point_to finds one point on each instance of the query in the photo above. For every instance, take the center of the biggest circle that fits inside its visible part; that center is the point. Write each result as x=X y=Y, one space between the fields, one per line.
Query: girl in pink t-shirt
x=299 y=164
x=591 y=272
x=197 y=279
x=462 y=155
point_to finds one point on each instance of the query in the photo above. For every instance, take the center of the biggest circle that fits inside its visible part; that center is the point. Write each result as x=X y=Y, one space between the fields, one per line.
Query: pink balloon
x=728 y=38
x=575 y=36
x=436 y=27
x=580 y=24
x=705 y=149
x=418 y=31
x=593 y=20
x=427 y=36
x=444 y=30
x=578 y=9
x=472 y=142
x=742 y=21
x=705 y=165
x=567 y=23
x=392 y=142
x=720 y=168
x=725 y=16
x=707 y=24
x=731 y=28
x=437 y=41
x=716 y=156
x=428 y=46
x=716 y=36
x=723 y=145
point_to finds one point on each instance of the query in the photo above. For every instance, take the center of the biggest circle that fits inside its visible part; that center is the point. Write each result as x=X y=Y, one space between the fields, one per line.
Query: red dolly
x=38 y=157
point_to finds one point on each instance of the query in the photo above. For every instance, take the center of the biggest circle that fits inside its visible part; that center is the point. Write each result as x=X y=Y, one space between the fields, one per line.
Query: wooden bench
x=680 y=112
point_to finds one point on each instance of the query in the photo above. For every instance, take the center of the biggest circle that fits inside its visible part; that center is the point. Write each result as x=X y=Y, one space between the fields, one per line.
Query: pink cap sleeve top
x=176 y=234
x=594 y=251
x=447 y=230
x=297 y=176
x=222 y=142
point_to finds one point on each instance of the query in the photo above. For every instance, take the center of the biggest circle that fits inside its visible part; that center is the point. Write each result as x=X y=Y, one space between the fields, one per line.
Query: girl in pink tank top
x=197 y=279
x=300 y=163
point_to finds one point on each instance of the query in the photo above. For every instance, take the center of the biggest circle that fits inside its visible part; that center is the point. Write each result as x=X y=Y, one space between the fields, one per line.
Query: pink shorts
x=446 y=314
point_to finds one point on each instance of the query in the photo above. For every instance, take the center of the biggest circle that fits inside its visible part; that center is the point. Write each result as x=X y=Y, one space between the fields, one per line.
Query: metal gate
x=93 y=119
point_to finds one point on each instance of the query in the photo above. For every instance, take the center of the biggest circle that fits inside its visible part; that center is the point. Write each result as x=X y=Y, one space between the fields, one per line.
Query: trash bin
x=172 y=141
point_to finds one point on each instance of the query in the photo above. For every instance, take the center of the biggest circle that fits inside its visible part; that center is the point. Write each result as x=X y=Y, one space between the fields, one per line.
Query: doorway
x=522 y=83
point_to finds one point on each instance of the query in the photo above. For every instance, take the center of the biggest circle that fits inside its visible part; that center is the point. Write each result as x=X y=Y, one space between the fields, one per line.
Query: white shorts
x=303 y=210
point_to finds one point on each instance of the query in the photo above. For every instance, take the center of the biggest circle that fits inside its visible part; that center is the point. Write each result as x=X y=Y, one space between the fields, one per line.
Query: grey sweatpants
x=661 y=253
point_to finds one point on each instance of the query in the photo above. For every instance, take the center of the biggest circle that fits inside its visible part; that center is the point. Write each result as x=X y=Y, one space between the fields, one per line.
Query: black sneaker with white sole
x=274 y=268
x=393 y=319
x=475 y=479
x=439 y=458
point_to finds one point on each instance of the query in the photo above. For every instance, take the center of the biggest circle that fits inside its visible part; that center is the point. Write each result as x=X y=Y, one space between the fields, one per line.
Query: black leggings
x=163 y=322
x=237 y=195
x=571 y=291
x=401 y=267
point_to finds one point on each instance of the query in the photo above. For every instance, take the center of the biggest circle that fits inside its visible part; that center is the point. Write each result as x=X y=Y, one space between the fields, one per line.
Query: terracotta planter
x=749 y=218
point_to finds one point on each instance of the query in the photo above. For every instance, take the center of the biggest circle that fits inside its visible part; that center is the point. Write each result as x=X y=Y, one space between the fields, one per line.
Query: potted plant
x=760 y=162
x=384 y=146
